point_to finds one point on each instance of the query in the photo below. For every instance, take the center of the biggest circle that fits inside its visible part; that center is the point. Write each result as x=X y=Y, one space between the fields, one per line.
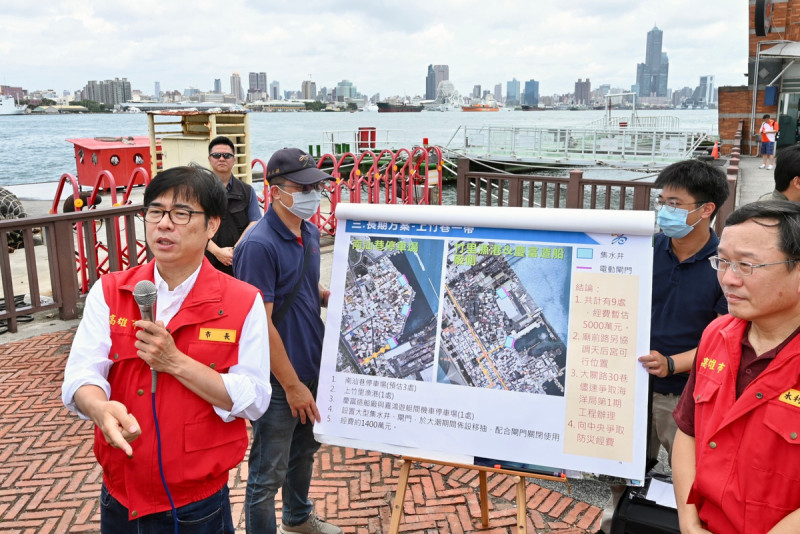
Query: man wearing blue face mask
x=686 y=295
x=280 y=256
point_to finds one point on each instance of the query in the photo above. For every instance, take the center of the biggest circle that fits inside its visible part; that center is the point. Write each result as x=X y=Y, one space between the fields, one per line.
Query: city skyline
x=553 y=45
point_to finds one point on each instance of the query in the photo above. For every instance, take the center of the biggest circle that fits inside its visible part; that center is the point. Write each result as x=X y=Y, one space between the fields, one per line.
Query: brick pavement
x=50 y=481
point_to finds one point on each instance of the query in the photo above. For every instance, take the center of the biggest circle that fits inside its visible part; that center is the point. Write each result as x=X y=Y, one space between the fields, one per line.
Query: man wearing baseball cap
x=280 y=256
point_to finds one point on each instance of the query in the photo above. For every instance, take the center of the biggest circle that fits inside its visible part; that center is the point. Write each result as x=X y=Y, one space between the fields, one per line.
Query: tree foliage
x=315 y=106
x=91 y=105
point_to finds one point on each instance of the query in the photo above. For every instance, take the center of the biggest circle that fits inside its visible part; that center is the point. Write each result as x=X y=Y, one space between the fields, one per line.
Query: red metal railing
x=94 y=256
x=390 y=177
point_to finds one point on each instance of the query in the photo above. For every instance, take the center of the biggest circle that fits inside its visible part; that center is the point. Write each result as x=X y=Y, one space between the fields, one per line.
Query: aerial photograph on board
x=391 y=304
x=505 y=316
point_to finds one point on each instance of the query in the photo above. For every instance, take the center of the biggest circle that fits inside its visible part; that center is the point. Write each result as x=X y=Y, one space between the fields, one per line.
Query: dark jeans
x=212 y=515
x=281 y=457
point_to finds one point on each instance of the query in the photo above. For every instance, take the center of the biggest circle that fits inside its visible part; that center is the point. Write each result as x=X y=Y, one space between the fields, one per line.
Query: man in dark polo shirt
x=736 y=464
x=243 y=211
x=686 y=295
x=281 y=257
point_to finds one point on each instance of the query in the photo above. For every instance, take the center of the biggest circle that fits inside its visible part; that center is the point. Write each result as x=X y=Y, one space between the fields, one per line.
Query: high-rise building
x=531 y=95
x=512 y=92
x=436 y=75
x=476 y=91
x=704 y=94
x=652 y=75
x=108 y=92
x=430 y=84
x=345 y=90
x=17 y=92
x=157 y=91
x=275 y=90
x=583 y=92
x=258 y=81
x=217 y=85
x=498 y=92
x=257 y=89
x=309 y=90
x=236 y=87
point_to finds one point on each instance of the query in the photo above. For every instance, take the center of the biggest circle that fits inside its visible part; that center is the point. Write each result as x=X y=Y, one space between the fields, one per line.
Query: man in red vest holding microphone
x=169 y=393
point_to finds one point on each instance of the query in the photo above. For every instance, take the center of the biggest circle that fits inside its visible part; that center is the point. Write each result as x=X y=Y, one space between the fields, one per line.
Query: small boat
x=480 y=107
x=531 y=108
x=398 y=107
x=8 y=106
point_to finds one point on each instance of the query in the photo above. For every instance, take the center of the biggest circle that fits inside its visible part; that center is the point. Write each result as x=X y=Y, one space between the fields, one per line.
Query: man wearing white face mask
x=686 y=295
x=280 y=256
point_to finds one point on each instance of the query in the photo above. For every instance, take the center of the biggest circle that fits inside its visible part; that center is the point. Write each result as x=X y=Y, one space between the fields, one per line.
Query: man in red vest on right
x=736 y=457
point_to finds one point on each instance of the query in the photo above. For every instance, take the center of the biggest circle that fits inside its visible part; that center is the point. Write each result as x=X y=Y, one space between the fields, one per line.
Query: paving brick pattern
x=50 y=481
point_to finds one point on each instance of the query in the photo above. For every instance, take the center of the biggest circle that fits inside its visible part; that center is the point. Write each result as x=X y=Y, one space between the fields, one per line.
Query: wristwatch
x=670 y=365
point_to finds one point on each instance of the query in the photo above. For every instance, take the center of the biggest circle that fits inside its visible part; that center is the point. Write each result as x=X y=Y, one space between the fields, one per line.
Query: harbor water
x=35 y=149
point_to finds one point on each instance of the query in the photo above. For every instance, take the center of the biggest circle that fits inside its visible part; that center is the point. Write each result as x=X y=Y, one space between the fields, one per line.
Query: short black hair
x=766 y=116
x=221 y=140
x=787 y=166
x=706 y=183
x=193 y=183
x=787 y=215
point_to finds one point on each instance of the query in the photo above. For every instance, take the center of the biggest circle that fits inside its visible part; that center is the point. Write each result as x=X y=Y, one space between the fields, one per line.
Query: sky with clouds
x=382 y=47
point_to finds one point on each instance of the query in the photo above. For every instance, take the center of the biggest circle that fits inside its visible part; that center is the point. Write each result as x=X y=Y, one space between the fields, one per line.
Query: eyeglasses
x=176 y=215
x=671 y=205
x=305 y=188
x=225 y=155
x=742 y=268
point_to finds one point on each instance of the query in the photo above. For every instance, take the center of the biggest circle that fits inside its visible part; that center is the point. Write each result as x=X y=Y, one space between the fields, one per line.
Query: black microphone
x=145 y=293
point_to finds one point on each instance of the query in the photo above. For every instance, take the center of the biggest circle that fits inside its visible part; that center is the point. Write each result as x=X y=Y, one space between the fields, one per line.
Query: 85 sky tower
x=652 y=75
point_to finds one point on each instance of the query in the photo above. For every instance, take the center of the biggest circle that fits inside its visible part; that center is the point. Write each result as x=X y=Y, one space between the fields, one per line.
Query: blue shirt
x=270 y=257
x=686 y=298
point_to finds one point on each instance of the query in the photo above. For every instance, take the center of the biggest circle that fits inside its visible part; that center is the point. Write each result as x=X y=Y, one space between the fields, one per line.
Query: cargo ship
x=8 y=106
x=398 y=107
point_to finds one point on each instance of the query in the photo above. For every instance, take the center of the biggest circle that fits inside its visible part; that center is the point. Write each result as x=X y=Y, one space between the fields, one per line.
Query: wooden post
x=61 y=242
x=400 y=496
x=515 y=190
x=484 y=500
x=575 y=190
x=522 y=506
x=462 y=183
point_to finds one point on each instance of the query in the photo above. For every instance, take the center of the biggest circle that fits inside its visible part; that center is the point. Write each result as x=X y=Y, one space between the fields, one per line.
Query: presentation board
x=494 y=332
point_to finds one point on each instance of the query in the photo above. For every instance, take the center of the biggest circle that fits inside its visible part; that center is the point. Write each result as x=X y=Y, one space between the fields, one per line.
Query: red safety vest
x=774 y=125
x=747 y=450
x=198 y=448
